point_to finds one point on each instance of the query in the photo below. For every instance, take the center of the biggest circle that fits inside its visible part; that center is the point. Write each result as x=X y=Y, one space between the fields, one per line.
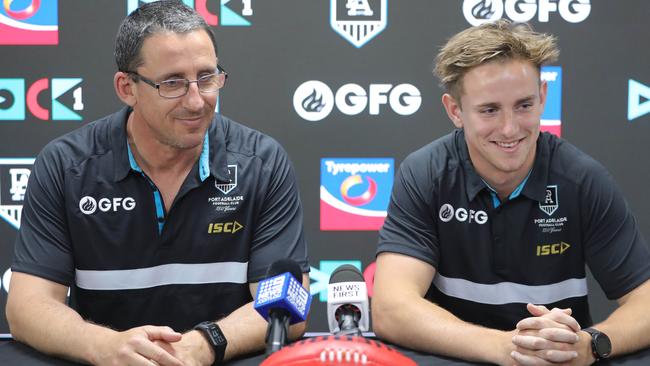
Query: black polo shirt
x=94 y=221
x=493 y=257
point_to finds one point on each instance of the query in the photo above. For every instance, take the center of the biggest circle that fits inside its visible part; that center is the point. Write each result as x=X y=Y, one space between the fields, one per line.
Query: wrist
x=204 y=351
x=586 y=351
x=99 y=339
x=506 y=347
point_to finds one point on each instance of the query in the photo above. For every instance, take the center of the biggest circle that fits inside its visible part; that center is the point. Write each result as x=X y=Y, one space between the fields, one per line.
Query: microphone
x=281 y=300
x=347 y=302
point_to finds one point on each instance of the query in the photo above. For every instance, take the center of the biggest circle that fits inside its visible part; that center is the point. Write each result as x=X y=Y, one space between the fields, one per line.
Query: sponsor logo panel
x=14 y=175
x=551 y=120
x=29 y=22
x=355 y=192
x=314 y=100
x=477 y=12
x=358 y=21
x=66 y=99
x=225 y=13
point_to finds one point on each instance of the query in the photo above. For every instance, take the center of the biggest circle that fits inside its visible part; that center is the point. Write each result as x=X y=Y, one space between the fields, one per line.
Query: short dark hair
x=499 y=40
x=156 y=17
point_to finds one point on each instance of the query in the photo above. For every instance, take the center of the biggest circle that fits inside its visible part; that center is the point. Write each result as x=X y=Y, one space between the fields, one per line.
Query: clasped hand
x=151 y=346
x=549 y=337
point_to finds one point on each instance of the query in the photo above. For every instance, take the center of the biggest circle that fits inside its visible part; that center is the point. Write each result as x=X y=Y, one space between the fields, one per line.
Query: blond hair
x=499 y=40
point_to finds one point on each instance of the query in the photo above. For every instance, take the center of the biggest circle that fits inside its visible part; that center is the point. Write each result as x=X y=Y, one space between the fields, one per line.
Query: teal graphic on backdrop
x=12 y=99
x=638 y=100
x=321 y=277
x=14 y=96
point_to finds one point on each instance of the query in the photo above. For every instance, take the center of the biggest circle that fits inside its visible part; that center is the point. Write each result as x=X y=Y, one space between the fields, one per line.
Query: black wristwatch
x=215 y=337
x=601 y=346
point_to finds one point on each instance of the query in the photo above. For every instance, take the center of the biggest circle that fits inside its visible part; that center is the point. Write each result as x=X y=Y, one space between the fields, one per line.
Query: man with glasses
x=160 y=218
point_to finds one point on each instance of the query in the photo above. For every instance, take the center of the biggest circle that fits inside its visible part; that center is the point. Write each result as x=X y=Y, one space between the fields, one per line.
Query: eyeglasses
x=175 y=88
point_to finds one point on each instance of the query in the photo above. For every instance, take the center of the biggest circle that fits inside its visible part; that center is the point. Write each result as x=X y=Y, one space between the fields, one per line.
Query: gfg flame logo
x=314 y=100
x=88 y=205
x=448 y=213
x=482 y=11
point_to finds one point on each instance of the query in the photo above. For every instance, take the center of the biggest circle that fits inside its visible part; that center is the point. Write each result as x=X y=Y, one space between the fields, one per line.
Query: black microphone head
x=285 y=265
x=346 y=273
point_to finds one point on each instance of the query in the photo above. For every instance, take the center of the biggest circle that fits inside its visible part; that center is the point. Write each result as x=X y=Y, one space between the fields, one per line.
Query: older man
x=161 y=218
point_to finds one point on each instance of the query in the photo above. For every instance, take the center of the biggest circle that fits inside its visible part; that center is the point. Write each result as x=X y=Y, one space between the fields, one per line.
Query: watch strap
x=596 y=336
x=215 y=338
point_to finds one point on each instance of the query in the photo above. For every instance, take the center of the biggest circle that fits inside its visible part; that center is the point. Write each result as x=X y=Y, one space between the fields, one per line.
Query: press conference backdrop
x=344 y=85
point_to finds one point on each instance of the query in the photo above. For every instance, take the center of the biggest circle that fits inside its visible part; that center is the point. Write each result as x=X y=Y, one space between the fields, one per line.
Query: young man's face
x=180 y=122
x=502 y=103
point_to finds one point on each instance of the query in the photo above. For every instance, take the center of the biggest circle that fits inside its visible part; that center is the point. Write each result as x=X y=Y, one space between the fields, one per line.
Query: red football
x=339 y=351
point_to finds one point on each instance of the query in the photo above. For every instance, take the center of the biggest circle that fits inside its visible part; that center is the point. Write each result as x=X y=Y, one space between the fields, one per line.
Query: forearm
x=628 y=327
x=422 y=325
x=245 y=331
x=54 y=328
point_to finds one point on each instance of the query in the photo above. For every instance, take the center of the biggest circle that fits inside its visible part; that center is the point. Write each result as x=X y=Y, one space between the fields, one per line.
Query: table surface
x=17 y=354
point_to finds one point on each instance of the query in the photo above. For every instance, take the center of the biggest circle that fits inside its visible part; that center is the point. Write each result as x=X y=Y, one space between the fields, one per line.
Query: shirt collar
x=534 y=186
x=119 y=145
x=218 y=137
x=125 y=162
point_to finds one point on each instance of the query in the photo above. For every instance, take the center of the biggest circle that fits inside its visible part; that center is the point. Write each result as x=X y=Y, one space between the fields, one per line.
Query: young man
x=161 y=218
x=496 y=217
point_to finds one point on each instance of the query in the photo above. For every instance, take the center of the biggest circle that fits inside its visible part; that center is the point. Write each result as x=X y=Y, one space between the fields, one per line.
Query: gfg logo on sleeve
x=88 y=205
x=478 y=12
x=313 y=100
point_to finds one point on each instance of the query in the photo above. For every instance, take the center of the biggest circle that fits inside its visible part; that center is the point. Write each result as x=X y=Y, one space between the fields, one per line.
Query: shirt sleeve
x=410 y=226
x=615 y=250
x=279 y=226
x=42 y=246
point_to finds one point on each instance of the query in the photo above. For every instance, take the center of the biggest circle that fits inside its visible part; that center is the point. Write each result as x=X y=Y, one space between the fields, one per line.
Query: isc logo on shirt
x=224 y=227
x=549 y=249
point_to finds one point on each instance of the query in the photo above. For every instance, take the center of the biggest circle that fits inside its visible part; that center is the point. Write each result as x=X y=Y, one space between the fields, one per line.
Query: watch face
x=217 y=335
x=602 y=344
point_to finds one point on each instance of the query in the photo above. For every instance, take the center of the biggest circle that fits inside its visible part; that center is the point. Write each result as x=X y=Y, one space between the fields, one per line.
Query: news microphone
x=282 y=301
x=347 y=302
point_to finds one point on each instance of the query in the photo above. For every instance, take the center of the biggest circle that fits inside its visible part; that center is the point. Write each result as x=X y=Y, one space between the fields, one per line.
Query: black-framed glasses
x=175 y=88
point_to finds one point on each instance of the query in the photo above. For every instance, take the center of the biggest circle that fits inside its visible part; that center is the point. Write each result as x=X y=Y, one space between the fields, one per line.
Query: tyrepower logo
x=14 y=175
x=29 y=22
x=478 y=12
x=225 y=13
x=88 y=205
x=551 y=120
x=354 y=193
x=448 y=213
x=314 y=100
x=15 y=96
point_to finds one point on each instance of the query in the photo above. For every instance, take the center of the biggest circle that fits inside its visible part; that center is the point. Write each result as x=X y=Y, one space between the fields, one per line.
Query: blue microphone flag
x=283 y=292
